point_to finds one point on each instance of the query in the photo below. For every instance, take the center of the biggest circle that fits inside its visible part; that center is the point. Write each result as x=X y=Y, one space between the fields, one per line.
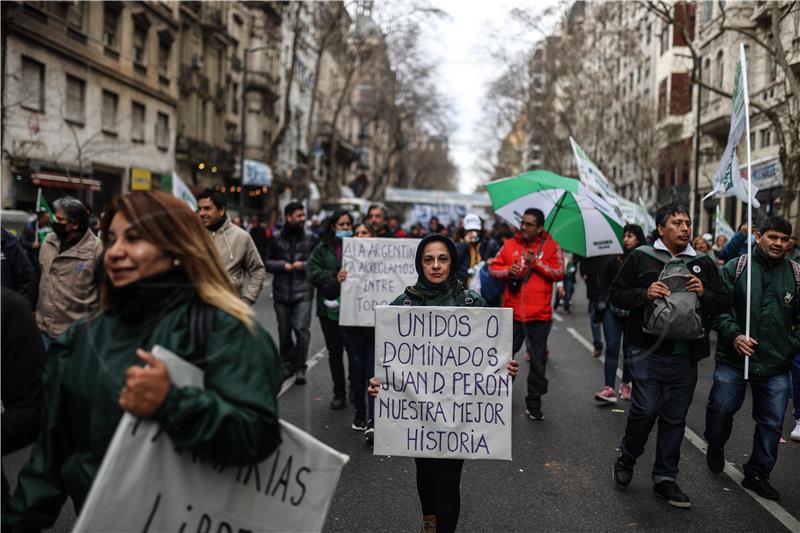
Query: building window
x=706 y=11
x=235 y=99
x=772 y=65
x=662 y=99
x=766 y=137
x=76 y=15
x=32 y=84
x=110 y=25
x=140 y=44
x=665 y=39
x=720 y=70
x=137 y=122
x=76 y=100
x=109 y=118
x=164 y=49
x=649 y=33
x=752 y=140
x=162 y=131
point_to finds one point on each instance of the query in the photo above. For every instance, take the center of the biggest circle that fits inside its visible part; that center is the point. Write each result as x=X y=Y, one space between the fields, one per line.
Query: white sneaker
x=796 y=431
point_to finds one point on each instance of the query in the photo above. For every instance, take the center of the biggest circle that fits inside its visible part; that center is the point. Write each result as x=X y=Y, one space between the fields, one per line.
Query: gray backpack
x=677 y=317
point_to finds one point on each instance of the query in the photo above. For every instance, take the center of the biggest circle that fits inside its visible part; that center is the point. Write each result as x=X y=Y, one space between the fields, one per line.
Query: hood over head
x=451 y=248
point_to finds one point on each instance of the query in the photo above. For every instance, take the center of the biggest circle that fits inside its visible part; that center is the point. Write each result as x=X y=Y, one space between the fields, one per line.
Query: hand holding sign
x=145 y=388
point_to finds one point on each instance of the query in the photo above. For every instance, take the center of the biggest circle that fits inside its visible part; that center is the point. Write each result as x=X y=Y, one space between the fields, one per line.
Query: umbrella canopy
x=579 y=220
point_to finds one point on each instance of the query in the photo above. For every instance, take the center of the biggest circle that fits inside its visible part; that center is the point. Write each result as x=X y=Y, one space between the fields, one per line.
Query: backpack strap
x=740 y=266
x=796 y=272
x=655 y=254
x=468 y=300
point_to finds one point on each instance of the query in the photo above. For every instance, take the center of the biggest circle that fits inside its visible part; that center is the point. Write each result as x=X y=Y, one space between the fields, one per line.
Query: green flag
x=41 y=206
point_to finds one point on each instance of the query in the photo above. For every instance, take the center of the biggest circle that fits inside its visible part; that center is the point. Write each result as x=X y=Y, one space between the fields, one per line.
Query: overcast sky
x=463 y=43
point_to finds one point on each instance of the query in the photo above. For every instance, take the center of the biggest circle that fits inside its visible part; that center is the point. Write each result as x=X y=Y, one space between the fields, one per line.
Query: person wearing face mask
x=323 y=266
x=438 y=480
x=156 y=287
x=286 y=258
x=472 y=249
x=68 y=259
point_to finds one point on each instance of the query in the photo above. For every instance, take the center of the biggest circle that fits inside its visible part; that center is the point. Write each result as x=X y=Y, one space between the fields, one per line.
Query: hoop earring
x=176 y=262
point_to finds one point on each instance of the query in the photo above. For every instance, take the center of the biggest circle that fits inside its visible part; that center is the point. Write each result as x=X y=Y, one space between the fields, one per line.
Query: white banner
x=378 y=271
x=721 y=226
x=445 y=391
x=728 y=177
x=144 y=485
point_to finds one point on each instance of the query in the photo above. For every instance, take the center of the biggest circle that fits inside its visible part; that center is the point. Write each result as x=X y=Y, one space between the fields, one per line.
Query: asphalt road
x=560 y=478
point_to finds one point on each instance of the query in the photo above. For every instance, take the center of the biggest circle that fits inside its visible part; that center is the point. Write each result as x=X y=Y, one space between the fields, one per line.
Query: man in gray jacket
x=234 y=245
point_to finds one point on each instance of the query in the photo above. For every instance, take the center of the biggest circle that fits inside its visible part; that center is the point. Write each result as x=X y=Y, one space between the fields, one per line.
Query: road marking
x=772 y=507
x=557 y=317
x=288 y=382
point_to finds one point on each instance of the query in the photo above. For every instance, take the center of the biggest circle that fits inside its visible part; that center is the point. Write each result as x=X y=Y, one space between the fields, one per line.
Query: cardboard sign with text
x=445 y=391
x=144 y=485
x=378 y=270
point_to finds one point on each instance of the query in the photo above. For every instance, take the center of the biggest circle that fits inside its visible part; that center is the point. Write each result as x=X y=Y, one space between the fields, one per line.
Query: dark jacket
x=233 y=421
x=735 y=247
x=597 y=282
x=629 y=292
x=774 y=316
x=450 y=293
x=323 y=266
x=23 y=362
x=462 y=251
x=16 y=271
x=288 y=247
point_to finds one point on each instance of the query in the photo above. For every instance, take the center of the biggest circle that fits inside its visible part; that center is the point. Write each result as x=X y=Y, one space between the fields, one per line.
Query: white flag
x=591 y=176
x=182 y=191
x=721 y=226
x=728 y=178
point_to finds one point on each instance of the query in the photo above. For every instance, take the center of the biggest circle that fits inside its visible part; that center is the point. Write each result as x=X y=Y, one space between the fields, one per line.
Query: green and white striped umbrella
x=579 y=220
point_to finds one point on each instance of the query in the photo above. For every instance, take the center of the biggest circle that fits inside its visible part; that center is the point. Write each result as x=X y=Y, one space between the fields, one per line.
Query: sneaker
x=359 y=422
x=338 y=403
x=625 y=391
x=300 y=376
x=369 y=433
x=534 y=414
x=761 y=487
x=670 y=491
x=796 y=431
x=623 y=470
x=606 y=395
x=715 y=459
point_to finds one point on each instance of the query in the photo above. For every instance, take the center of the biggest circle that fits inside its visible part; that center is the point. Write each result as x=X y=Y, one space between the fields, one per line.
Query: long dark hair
x=329 y=236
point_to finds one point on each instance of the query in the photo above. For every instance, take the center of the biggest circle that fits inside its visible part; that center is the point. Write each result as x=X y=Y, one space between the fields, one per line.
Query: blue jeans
x=796 y=387
x=663 y=386
x=597 y=333
x=613 y=327
x=360 y=345
x=770 y=396
x=534 y=334
x=569 y=289
x=294 y=317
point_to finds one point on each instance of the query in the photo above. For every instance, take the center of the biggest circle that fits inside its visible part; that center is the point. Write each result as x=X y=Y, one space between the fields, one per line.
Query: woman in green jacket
x=323 y=267
x=439 y=480
x=162 y=275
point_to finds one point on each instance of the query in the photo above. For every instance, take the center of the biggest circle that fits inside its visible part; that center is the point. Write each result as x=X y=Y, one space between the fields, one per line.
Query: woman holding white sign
x=439 y=480
x=164 y=285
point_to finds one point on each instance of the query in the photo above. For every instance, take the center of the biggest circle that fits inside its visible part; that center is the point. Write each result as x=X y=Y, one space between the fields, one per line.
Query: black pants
x=439 y=488
x=535 y=334
x=335 y=346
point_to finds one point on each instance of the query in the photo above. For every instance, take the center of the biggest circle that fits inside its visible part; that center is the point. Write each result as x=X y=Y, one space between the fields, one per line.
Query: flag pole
x=38 y=203
x=749 y=209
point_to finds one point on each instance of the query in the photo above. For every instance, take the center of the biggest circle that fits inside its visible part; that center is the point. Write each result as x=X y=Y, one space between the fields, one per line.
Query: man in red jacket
x=530 y=263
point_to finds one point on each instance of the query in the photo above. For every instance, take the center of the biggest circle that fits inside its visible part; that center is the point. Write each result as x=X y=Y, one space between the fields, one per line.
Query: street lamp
x=243 y=121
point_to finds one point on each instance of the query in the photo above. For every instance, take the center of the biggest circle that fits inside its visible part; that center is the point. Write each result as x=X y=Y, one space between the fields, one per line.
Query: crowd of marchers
x=82 y=304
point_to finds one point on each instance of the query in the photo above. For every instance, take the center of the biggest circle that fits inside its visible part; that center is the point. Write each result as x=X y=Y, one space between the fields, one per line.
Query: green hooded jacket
x=233 y=421
x=774 y=316
x=322 y=269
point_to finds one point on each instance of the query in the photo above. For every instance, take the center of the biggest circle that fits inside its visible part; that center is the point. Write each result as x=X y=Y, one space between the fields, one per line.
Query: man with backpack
x=773 y=342
x=672 y=293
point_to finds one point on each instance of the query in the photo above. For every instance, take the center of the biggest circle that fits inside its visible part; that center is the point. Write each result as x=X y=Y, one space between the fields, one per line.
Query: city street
x=560 y=478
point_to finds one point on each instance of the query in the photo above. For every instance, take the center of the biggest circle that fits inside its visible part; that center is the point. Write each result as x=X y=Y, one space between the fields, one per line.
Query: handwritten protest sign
x=144 y=485
x=445 y=391
x=377 y=271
